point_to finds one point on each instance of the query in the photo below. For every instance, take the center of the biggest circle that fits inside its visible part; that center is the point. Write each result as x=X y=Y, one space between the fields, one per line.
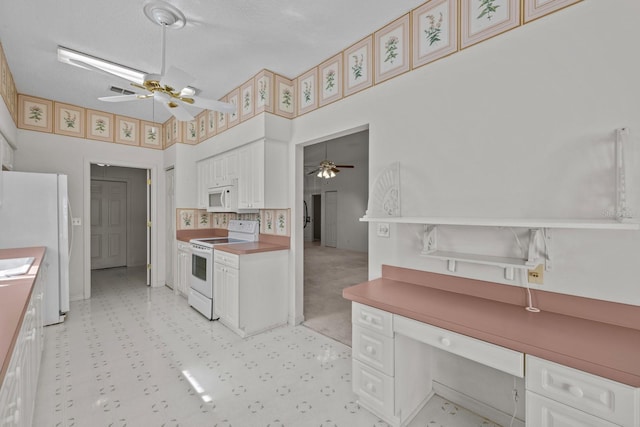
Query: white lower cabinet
x=18 y=391
x=560 y=393
x=391 y=374
x=183 y=270
x=250 y=290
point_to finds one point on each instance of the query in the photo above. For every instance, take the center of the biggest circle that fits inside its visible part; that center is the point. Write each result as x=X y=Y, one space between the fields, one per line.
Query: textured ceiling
x=223 y=44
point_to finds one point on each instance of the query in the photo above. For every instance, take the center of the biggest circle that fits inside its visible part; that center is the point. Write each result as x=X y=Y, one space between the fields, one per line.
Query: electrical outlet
x=536 y=275
x=76 y=221
x=383 y=229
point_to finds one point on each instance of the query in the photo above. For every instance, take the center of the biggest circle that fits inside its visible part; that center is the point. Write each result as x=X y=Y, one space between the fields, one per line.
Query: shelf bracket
x=539 y=237
x=622 y=212
x=429 y=239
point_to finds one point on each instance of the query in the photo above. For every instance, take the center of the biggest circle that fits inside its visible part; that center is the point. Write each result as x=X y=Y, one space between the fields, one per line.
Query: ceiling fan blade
x=122 y=98
x=335 y=170
x=177 y=78
x=345 y=166
x=210 y=104
x=174 y=107
x=313 y=172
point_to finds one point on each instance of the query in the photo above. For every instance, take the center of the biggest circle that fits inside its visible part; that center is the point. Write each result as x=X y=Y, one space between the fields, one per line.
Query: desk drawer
x=543 y=412
x=372 y=319
x=595 y=395
x=375 y=390
x=501 y=358
x=374 y=349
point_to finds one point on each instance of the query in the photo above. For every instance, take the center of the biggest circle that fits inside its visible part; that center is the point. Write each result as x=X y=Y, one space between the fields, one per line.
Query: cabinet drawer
x=595 y=395
x=501 y=358
x=373 y=349
x=543 y=412
x=372 y=318
x=374 y=389
x=226 y=258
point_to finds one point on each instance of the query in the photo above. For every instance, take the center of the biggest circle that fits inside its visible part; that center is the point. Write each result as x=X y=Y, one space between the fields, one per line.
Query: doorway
x=335 y=250
x=119 y=209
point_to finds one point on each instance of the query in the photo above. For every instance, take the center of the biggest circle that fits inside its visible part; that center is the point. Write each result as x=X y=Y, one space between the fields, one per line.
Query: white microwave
x=223 y=198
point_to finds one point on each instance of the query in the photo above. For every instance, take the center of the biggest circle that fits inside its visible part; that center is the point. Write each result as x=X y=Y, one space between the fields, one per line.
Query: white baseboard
x=476 y=406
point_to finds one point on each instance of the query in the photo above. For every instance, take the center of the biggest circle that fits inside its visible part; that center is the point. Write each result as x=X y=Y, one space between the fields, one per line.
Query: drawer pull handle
x=370 y=349
x=445 y=342
x=371 y=387
x=576 y=391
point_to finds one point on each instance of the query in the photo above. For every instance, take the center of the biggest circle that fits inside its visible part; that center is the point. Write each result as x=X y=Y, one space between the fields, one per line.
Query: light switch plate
x=383 y=229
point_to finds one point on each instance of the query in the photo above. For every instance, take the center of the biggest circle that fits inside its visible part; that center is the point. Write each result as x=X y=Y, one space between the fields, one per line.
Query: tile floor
x=138 y=356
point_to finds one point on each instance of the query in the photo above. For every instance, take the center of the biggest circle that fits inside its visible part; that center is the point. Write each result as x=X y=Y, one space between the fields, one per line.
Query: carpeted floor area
x=326 y=272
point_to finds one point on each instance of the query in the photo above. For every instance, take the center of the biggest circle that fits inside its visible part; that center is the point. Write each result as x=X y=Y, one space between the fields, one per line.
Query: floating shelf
x=504 y=262
x=593 y=224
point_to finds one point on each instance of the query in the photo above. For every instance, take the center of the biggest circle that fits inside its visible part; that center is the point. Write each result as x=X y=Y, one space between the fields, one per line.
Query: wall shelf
x=589 y=224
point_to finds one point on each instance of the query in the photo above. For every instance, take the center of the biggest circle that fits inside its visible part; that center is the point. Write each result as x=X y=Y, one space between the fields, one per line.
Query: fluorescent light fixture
x=88 y=62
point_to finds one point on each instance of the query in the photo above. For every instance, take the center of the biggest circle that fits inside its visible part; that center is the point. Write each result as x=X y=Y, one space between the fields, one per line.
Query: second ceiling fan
x=327 y=168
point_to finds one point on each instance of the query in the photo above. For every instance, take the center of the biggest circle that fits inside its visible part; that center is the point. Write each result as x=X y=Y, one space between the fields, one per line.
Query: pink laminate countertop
x=14 y=299
x=600 y=348
x=250 y=248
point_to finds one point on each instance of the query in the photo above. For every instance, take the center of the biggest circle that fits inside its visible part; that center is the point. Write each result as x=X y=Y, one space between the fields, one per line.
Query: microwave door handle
x=223 y=198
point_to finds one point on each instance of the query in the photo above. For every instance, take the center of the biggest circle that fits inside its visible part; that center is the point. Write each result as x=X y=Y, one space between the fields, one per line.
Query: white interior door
x=170 y=228
x=108 y=224
x=331 y=219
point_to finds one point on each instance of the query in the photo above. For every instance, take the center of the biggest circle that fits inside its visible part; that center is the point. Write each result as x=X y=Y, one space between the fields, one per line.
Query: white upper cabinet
x=262 y=175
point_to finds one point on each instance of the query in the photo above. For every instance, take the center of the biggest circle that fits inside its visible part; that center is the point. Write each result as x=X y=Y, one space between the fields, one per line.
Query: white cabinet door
x=183 y=270
x=232 y=165
x=226 y=299
x=201 y=184
x=219 y=171
x=245 y=177
x=218 y=290
x=232 y=297
x=251 y=169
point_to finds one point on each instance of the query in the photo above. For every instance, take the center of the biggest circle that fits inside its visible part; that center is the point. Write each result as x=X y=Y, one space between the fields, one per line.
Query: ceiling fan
x=327 y=168
x=172 y=89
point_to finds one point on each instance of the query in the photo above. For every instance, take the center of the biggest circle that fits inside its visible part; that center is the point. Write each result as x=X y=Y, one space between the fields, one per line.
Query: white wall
x=352 y=186
x=136 y=180
x=42 y=152
x=521 y=125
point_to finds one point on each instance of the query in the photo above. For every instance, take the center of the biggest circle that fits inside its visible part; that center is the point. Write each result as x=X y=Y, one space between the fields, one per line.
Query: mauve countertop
x=14 y=299
x=600 y=348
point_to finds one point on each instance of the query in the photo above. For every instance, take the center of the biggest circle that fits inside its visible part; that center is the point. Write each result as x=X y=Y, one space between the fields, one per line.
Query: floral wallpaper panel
x=152 y=134
x=69 y=120
x=263 y=95
x=247 y=104
x=100 y=125
x=285 y=93
x=234 y=98
x=35 y=113
x=127 y=130
x=307 y=85
x=330 y=80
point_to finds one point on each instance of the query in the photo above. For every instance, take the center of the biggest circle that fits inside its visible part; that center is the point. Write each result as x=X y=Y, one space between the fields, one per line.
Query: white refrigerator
x=34 y=212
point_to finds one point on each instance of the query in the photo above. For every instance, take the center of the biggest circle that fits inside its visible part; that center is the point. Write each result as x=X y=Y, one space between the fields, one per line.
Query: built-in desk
x=582 y=354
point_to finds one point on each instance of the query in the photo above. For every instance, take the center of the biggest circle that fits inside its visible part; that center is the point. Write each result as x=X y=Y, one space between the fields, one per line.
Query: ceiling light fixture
x=327 y=170
x=88 y=62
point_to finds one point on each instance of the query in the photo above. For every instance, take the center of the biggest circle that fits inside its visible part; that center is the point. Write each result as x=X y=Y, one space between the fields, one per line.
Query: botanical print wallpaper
x=425 y=34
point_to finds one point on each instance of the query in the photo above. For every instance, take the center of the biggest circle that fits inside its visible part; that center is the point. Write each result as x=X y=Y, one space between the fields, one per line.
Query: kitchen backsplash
x=272 y=221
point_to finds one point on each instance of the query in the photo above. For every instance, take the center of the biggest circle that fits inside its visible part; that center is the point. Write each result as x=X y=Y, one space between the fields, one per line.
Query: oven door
x=202 y=271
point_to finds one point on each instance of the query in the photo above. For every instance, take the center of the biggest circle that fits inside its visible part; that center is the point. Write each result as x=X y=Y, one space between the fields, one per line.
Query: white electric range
x=202 y=283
